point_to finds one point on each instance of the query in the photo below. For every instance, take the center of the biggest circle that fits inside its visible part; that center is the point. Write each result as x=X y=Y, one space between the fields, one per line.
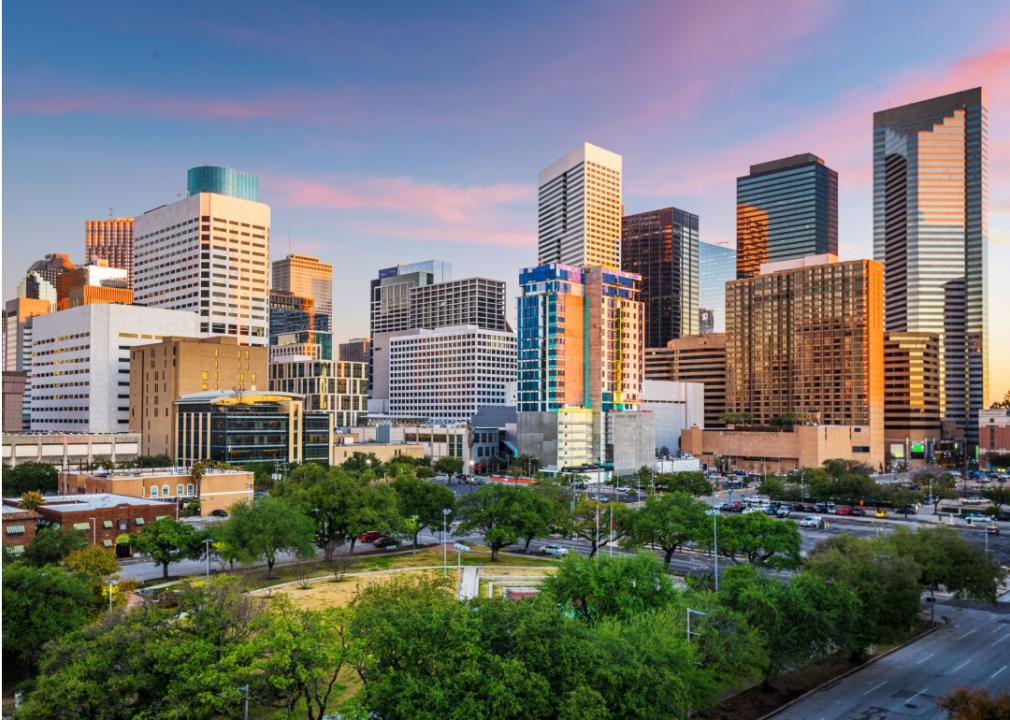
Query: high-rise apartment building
x=716 y=267
x=81 y=363
x=207 y=254
x=698 y=359
x=912 y=383
x=930 y=226
x=308 y=277
x=162 y=372
x=580 y=209
x=110 y=240
x=223 y=181
x=19 y=315
x=805 y=344
x=661 y=246
x=333 y=386
x=785 y=209
x=448 y=372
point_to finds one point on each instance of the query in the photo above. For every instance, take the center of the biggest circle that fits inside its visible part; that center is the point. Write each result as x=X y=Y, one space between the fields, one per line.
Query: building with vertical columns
x=162 y=372
x=308 y=277
x=911 y=391
x=580 y=209
x=930 y=232
x=662 y=247
x=805 y=344
x=95 y=282
x=110 y=240
x=785 y=209
x=207 y=254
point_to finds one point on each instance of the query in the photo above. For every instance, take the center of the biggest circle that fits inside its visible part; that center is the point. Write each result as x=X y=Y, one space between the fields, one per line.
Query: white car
x=753 y=509
x=554 y=550
x=810 y=521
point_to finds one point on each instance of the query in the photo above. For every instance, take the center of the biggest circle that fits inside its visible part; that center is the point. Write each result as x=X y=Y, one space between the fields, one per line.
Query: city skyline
x=365 y=187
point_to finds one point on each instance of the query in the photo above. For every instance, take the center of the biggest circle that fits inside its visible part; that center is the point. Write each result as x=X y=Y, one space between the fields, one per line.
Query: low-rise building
x=68 y=450
x=675 y=406
x=215 y=488
x=346 y=446
x=994 y=432
x=333 y=386
x=18 y=528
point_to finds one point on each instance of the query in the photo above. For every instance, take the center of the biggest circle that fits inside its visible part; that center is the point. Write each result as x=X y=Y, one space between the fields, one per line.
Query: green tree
x=150 y=461
x=998 y=495
x=328 y=497
x=449 y=465
x=360 y=462
x=693 y=483
x=266 y=528
x=167 y=541
x=31 y=499
x=497 y=512
x=29 y=476
x=40 y=605
x=592 y=522
x=51 y=545
x=773 y=487
x=425 y=500
x=373 y=508
x=538 y=512
x=758 y=538
x=93 y=561
x=668 y=522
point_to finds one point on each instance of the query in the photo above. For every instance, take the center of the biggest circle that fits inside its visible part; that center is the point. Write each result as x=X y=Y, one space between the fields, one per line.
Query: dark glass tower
x=662 y=247
x=717 y=266
x=785 y=209
x=930 y=197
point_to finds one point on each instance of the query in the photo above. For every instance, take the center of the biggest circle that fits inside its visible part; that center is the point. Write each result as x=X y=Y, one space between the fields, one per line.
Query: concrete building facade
x=674 y=406
x=69 y=449
x=694 y=360
x=333 y=386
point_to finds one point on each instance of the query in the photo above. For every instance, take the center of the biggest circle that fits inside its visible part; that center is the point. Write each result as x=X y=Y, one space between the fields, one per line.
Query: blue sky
x=390 y=132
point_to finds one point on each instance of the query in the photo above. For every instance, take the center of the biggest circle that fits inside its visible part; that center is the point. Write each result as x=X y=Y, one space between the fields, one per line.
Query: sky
x=388 y=133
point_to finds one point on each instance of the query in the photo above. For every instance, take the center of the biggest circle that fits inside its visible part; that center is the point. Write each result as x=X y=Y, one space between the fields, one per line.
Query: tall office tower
x=580 y=344
x=19 y=315
x=81 y=363
x=354 y=350
x=805 y=343
x=662 y=247
x=699 y=359
x=223 y=181
x=334 y=386
x=40 y=280
x=785 y=209
x=294 y=313
x=110 y=240
x=390 y=293
x=930 y=227
x=207 y=254
x=716 y=267
x=306 y=276
x=95 y=282
x=580 y=209
x=449 y=372
x=912 y=386
x=162 y=372
x=473 y=301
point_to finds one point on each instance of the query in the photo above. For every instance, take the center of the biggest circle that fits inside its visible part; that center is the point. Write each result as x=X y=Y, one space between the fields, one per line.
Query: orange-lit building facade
x=912 y=390
x=110 y=240
x=806 y=338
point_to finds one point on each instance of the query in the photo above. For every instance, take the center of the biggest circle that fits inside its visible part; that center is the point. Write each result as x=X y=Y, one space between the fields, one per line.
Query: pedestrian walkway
x=469 y=585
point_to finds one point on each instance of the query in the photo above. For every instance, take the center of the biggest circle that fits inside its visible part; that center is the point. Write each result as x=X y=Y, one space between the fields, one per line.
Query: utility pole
x=715 y=549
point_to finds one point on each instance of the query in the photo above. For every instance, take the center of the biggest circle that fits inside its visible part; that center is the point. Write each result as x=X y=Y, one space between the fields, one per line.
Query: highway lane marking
x=961 y=665
x=1000 y=640
x=875 y=687
x=997 y=672
x=922 y=660
x=970 y=632
x=909 y=701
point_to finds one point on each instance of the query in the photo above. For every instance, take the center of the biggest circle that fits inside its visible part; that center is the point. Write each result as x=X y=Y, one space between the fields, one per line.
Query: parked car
x=909 y=510
x=753 y=509
x=880 y=514
x=975 y=516
x=219 y=513
x=992 y=530
x=843 y=510
x=810 y=521
x=735 y=506
x=856 y=510
x=824 y=507
x=554 y=550
x=383 y=541
x=782 y=511
x=370 y=536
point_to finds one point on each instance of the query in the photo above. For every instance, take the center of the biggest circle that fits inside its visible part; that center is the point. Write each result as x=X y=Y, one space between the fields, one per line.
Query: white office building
x=207 y=254
x=447 y=373
x=580 y=209
x=81 y=363
x=675 y=406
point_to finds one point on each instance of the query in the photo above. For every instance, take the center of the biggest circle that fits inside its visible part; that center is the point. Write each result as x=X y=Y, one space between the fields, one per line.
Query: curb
x=837 y=678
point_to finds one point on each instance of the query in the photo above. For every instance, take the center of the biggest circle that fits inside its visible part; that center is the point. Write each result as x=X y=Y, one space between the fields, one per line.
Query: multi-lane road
x=971 y=650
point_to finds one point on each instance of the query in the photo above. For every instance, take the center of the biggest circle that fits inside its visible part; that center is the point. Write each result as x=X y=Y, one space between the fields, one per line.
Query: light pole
x=112 y=582
x=245 y=702
x=445 y=541
x=206 y=551
x=714 y=513
x=690 y=612
x=94 y=531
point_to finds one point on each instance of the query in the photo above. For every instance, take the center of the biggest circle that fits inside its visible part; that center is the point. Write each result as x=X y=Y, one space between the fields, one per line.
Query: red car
x=370 y=536
x=843 y=510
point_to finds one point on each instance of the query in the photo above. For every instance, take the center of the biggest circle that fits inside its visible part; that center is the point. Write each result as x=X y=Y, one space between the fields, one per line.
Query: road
x=971 y=650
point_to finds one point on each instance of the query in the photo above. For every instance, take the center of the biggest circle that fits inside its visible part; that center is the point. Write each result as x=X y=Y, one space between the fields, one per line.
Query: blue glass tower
x=223 y=181
x=717 y=266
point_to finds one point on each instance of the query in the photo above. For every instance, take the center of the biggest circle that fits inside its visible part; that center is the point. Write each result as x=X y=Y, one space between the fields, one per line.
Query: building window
x=124 y=524
x=164 y=490
x=178 y=489
x=189 y=489
x=154 y=491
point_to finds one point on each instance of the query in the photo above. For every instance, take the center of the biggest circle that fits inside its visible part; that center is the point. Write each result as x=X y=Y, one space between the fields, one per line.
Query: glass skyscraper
x=716 y=267
x=223 y=181
x=662 y=247
x=785 y=209
x=930 y=196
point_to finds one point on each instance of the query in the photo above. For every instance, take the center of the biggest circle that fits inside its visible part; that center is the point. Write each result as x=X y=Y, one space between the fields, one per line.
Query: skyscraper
x=207 y=254
x=308 y=277
x=390 y=293
x=223 y=181
x=110 y=240
x=785 y=209
x=930 y=206
x=716 y=267
x=662 y=247
x=580 y=209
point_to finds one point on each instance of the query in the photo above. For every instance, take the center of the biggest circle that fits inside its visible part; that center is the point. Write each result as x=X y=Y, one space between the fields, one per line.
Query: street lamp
x=714 y=513
x=206 y=552
x=690 y=612
x=445 y=541
x=111 y=583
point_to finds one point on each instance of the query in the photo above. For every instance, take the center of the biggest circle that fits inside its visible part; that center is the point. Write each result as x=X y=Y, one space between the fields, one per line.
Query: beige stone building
x=695 y=359
x=308 y=277
x=163 y=372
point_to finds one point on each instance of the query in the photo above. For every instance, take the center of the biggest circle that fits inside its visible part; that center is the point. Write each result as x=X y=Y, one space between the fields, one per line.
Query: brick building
x=18 y=528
